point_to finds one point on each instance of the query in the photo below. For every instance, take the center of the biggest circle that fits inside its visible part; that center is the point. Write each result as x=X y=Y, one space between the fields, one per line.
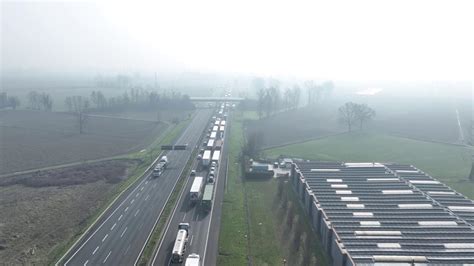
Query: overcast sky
x=375 y=40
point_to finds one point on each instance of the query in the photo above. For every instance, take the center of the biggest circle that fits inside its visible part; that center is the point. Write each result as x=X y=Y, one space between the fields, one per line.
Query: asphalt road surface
x=204 y=226
x=119 y=237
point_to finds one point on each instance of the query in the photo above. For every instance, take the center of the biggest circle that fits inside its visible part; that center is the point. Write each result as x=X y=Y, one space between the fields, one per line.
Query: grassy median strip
x=148 y=252
x=146 y=158
x=233 y=248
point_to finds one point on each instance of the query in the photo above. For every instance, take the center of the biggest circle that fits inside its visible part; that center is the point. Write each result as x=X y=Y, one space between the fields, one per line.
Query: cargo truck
x=206 y=158
x=193 y=260
x=206 y=202
x=196 y=189
x=179 y=247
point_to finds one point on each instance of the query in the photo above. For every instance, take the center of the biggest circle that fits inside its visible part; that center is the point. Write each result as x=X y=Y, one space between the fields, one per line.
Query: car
x=199 y=157
x=214 y=164
x=211 y=179
x=193 y=173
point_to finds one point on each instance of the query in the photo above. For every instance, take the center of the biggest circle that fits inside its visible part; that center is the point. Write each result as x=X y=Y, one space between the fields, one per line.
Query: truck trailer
x=206 y=158
x=196 y=189
x=179 y=248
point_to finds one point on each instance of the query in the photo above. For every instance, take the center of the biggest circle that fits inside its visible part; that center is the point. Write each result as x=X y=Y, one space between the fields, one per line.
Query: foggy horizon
x=342 y=40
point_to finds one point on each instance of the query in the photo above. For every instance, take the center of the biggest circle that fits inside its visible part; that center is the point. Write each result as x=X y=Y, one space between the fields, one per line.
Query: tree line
x=353 y=113
x=8 y=101
x=135 y=99
x=270 y=100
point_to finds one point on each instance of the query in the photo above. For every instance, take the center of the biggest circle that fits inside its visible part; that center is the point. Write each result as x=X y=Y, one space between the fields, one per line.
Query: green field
x=233 y=234
x=250 y=226
x=449 y=163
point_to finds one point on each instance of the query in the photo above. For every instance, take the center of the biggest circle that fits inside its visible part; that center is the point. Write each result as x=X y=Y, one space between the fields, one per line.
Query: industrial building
x=385 y=214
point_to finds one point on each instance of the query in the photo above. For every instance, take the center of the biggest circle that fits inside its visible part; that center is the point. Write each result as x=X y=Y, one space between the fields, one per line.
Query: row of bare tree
x=353 y=113
x=40 y=101
x=8 y=101
x=135 y=99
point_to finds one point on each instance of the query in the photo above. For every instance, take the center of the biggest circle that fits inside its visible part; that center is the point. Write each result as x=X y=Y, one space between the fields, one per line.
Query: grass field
x=264 y=243
x=30 y=139
x=299 y=124
x=450 y=164
x=232 y=238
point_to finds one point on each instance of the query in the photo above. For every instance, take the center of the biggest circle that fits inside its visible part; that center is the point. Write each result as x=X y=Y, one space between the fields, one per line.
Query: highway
x=204 y=227
x=118 y=238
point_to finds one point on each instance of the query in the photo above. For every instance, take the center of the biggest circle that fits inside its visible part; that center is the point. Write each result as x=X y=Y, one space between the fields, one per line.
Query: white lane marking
x=146 y=182
x=138 y=194
x=191 y=242
x=105 y=237
x=85 y=263
x=147 y=196
x=120 y=218
x=113 y=226
x=107 y=256
x=127 y=250
x=123 y=232
x=126 y=209
x=95 y=250
x=184 y=217
x=141 y=189
x=103 y=213
x=137 y=212
x=131 y=202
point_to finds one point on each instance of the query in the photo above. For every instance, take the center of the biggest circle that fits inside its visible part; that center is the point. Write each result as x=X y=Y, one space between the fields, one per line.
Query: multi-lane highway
x=118 y=238
x=204 y=226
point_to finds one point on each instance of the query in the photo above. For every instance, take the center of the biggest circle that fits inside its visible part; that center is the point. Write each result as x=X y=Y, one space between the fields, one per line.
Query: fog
x=342 y=40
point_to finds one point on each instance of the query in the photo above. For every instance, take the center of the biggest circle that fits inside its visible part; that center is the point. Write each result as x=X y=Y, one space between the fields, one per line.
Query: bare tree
x=13 y=102
x=79 y=105
x=363 y=114
x=347 y=114
x=260 y=103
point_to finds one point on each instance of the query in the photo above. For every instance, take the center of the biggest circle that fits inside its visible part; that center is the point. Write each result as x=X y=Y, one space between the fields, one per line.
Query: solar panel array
x=374 y=214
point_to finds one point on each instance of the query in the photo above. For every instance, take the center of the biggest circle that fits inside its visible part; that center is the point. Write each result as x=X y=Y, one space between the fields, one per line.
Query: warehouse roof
x=383 y=213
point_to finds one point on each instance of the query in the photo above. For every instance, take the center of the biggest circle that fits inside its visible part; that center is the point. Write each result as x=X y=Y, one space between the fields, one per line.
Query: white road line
x=131 y=202
x=113 y=226
x=95 y=250
x=123 y=232
x=146 y=182
x=100 y=226
x=147 y=196
x=138 y=194
x=185 y=215
x=141 y=189
x=191 y=242
x=128 y=248
x=105 y=237
x=126 y=209
x=85 y=263
x=107 y=256
x=137 y=212
x=120 y=218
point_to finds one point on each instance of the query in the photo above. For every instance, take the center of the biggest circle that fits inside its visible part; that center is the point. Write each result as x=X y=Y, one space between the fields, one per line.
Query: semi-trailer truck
x=196 y=189
x=179 y=248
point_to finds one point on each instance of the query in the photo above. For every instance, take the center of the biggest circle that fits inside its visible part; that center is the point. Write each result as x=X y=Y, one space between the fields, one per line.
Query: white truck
x=160 y=166
x=206 y=158
x=193 y=260
x=216 y=156
x=196 y=189
x=179 y=247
